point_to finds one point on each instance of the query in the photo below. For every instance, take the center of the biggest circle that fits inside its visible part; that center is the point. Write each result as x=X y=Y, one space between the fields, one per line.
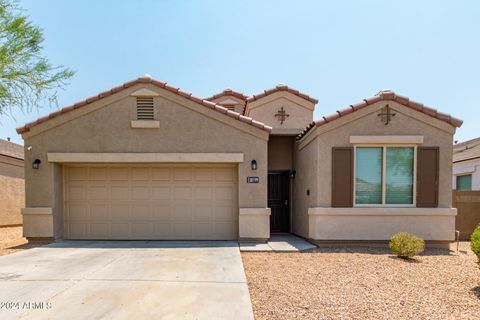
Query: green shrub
x=406 y=245
x=475 y=242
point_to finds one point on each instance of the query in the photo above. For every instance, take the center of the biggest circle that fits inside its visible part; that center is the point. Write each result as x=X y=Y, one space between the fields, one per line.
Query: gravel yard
x=363 y=283
x=11 y=241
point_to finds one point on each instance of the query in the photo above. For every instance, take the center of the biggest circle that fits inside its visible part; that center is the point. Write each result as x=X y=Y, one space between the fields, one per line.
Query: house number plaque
x=253 y=179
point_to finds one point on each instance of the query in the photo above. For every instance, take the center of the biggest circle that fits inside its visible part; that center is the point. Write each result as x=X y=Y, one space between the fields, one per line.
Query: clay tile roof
x=228 y=92
x=11 y=149
x=281 y=87
x=384 y=95
x=144 y=79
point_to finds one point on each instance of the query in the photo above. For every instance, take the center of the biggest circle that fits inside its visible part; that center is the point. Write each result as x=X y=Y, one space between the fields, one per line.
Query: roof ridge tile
x=384 y=96
x=228 y=92
x=158 y=83
x=282 y=87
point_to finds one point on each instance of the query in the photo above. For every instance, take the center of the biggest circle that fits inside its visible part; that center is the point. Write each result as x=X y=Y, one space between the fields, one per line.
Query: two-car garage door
x=197 y=202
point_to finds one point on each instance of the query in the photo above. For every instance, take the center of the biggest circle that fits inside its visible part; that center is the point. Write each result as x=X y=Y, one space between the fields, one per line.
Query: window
x=464 y=182
x=145 y=108
x=384 y=175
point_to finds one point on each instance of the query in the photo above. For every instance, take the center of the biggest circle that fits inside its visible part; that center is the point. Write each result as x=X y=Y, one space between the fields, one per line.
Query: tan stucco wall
x=12 y=190
x=38 y=222
x=370 y=124
x=254 y=223
x=305 y=181
x=184 y=127
x=380 y=223
x=365 y=122
x=280 y=152
x=300 y=112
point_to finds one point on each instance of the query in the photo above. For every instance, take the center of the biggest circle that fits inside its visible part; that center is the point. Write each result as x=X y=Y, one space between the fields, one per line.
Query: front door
x=279 y=201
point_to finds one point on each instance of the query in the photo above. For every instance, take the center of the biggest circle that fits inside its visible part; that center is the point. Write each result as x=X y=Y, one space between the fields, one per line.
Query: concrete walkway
x=125 y=280
x=279 y=243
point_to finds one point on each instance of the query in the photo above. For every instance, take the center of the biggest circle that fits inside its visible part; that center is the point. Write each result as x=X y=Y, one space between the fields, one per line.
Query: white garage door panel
x=151 y=202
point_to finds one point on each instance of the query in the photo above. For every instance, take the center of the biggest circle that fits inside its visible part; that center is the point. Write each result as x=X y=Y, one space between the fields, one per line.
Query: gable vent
x=145 y=109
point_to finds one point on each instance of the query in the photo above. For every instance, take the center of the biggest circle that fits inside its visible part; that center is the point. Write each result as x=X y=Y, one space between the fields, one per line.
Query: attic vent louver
x=145 y=108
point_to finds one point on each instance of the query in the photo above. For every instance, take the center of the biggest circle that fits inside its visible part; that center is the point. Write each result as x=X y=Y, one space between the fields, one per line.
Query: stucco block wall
x=105 y=127
x=12 y=191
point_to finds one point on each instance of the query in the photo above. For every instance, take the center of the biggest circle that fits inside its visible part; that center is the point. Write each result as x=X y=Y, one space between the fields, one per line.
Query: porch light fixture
x=254 y=164
x=293 y=173
x=36 y=164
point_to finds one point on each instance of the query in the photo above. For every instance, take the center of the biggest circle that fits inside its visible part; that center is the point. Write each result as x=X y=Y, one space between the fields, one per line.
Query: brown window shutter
x=342 y=177
x=427 y=176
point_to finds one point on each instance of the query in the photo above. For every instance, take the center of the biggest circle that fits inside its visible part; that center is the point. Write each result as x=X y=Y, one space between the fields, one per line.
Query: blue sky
x=337 y=51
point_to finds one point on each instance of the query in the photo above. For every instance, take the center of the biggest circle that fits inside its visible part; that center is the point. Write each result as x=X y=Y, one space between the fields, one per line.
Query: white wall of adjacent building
x=465 y=168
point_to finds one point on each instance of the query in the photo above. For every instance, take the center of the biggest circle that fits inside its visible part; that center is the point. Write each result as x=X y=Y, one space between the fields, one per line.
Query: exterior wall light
x=36 y=164
x=293 y=173
x=254 y=164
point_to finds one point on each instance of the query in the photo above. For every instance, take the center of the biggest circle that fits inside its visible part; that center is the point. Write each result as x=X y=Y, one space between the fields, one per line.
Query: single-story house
x=12 y=185
x=146 y=160
x=466 y=165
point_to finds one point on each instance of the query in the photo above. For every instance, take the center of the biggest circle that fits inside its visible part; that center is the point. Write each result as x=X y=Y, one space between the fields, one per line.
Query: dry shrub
x=406 y=245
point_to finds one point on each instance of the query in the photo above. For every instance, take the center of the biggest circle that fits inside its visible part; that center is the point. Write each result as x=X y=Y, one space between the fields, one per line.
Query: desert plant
x=406 y=245
x=27 y=78
x=475 y=242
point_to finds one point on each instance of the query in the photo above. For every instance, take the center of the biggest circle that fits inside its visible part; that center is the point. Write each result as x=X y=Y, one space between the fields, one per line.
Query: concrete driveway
x=125 y=280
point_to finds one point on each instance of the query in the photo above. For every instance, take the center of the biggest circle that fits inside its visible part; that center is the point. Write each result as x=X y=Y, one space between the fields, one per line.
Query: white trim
x=145 y=124
x=384 y=172
x=145 y=157
x=386 y=139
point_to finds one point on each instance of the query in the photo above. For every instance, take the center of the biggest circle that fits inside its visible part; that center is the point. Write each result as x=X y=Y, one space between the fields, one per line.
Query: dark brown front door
x=279 y=201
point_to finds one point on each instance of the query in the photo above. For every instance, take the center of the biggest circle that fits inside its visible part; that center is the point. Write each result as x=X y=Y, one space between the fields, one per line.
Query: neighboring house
x=466 y=165
x=12 y=185
x=146 y=160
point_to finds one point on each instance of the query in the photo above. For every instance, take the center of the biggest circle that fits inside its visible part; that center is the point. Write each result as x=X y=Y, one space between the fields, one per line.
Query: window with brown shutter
x=342 y=177
x=427 y=176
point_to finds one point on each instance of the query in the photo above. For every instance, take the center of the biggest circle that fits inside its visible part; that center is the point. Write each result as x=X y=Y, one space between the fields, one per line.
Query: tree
x=27 y=79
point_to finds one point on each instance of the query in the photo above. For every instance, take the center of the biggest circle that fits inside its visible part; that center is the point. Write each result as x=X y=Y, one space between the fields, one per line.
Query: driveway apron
x=125 y=280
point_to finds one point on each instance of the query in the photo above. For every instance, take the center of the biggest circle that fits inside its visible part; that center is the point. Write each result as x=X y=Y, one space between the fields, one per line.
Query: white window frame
x=384 y=175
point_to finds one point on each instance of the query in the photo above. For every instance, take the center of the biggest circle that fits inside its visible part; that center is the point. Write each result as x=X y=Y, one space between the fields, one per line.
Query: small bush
x=475 y=242
x=406 y=245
